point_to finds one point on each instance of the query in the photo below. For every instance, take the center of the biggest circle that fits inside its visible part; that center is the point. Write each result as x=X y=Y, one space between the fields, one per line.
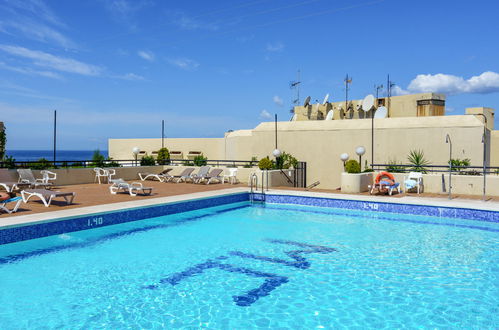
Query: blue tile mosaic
x=16 y=234
x=425 y=210
x=272 y=281
x=299 y=261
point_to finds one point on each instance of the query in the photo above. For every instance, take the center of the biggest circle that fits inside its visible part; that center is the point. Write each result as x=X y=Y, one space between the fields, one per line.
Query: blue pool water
x=275 y=266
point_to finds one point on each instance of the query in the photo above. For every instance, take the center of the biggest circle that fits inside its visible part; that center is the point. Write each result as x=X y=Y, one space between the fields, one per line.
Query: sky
x=116 y=68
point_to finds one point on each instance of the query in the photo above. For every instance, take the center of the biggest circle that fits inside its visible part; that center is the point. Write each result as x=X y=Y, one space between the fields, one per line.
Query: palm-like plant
x=417 y=160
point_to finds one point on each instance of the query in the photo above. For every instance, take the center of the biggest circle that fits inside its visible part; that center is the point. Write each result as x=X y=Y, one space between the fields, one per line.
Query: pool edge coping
x=59 y=215
x=419 y=201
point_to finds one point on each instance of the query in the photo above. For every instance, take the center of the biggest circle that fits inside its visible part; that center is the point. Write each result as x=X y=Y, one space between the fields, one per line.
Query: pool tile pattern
x=21 y=233
x=424 y=210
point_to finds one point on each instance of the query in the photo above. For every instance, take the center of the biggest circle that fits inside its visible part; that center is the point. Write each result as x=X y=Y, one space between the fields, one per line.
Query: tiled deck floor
x=97 y=194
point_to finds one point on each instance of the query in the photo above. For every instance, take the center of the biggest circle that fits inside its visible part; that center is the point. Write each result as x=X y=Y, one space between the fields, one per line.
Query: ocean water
x=243 y=267
x=61 y=155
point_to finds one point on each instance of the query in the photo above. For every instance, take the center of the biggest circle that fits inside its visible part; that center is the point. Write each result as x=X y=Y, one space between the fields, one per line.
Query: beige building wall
x=487 y=112
x=213 y=148
x=399 y=106
x=320 y=143
x=494 y=148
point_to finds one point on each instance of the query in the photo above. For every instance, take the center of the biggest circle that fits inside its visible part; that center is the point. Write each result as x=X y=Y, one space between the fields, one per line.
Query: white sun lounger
x=26 y=176
x=185 y=175
x=8 y=184
x=3 y=204
x=132 y=188
x=47 y=196
x=203 y=171
x=161 y=177
x=215 y=174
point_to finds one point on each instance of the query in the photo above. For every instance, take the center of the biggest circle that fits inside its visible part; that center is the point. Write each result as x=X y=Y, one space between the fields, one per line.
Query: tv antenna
x=295 y=84
x=389 y=85
x=348 y=81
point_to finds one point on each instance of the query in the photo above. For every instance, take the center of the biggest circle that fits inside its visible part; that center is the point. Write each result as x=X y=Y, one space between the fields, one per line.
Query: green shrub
x=111 y=163
x=417 y=160
x=252 y=162
x=97 y=159
x=163 y=157
x=394 y=167
x=367 y=168
x=352 y=166
x=187 y=163
x=9 y=162
x=147 y=161
x=286 y=161
x=3 y=142
x=200 y=160
x=456 y=163
x=265 y=164
x=41 y=164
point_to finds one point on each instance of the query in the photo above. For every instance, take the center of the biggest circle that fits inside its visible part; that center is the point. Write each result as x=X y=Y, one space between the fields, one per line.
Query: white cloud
x=37 y=7
x=124 y=9
x=130 y=76
x=265 y=114
x=275 y=47
x=184 y=63
x=188 y=23
x=487 y=82
x=29 y=71
x=277 y=100
x=33 y=20
x=396 y=90
x=146 y=55
x=43 y=59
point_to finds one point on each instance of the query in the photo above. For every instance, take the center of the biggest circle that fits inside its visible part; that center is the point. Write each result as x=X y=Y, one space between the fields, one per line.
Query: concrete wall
x=87 y=175
x=320 y=143
x=399 y=106
x=461 y=184
x=494 y=148
x=213 y=148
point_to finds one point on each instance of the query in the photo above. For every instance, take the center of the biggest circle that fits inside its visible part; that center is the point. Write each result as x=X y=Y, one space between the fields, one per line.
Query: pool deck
x=94 y=198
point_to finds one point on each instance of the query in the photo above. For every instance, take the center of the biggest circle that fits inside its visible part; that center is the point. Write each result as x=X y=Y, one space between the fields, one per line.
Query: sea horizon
x=61 y=155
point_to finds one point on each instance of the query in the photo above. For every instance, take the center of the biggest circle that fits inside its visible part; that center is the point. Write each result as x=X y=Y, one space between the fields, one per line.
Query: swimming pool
x=265 y=265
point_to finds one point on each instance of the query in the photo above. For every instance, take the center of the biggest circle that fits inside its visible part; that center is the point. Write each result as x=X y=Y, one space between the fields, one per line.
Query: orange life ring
x=384 y=174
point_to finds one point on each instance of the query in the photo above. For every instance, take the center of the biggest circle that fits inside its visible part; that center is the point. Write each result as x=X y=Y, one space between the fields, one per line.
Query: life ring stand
x=384 y=174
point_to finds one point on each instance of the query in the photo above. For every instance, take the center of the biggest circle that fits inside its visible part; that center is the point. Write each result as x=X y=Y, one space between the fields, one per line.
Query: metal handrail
x=404 y=168
x=121 y=162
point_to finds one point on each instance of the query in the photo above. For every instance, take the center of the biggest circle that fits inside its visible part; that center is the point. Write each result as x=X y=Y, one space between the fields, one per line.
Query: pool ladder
x=254 y=187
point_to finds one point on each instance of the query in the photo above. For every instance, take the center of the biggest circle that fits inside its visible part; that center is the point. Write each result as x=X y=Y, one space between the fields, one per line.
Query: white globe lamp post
x=360 y=151
x=135 y=152
x=344 y=157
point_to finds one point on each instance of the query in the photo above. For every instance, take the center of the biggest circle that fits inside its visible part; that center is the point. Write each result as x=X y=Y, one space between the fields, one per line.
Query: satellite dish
x=307 y=101
x=382 y=112
x=368 y=102
x=329 y=115
x=325 y=99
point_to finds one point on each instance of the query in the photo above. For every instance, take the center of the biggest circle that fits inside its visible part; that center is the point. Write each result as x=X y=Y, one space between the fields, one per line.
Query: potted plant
x=352 y=180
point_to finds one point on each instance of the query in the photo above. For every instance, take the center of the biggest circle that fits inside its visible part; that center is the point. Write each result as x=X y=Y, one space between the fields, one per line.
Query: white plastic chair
x=230 y=176
x=414 y=176
x=48 y=176
x=110 y=173
x=100 y=173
